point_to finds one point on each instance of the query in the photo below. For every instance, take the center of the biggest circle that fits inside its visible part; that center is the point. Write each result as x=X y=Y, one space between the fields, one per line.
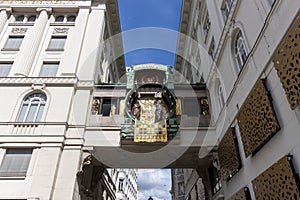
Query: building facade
x=52 y=54
x=247 y=53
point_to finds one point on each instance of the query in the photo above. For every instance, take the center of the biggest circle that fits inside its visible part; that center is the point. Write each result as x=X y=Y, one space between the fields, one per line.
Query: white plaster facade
x=263 y=24
x=59 y=59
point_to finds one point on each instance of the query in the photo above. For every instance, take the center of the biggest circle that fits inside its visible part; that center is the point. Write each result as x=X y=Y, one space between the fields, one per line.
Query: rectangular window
x=212 y=49
x=106 y=106
x=191 y=107
x=226 y=6
x=215 y=179
x=121 y=182
x=15 y=162
x=57 y=43
x=49 y=70
x=206 y=25
x=5 y=69
x=13 y=43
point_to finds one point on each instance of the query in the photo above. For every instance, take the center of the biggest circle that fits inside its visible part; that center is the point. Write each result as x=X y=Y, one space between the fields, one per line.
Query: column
x=3 y=17
x=29 y=48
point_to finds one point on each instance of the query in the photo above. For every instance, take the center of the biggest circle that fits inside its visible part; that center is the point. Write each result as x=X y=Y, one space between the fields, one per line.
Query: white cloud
x=155 y=183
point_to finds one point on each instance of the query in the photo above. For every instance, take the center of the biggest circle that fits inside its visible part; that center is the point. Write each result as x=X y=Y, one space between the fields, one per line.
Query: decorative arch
x=239 y=48
x=32 y=107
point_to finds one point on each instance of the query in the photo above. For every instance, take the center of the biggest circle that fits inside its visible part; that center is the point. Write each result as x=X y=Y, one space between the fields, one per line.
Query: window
x=32 y=18
x=71 y=18
x=5 y=69
x=206 y=25
x=20 y=18
x=215 y=179
x=240 y=50
x=15 y=162
x=59 y=18
x=13 y=42
x=226 y=6
x=181 y=188
x=106 y=107
x=191 y=107
x=121 y=182
x=32 y=108
x=212 y=49
x=220 y=97
x=57 y=43
x=49 y=70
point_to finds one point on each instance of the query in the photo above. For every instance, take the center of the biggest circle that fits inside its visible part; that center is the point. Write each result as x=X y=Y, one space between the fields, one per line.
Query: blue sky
x=155 y=45
x=149 y=13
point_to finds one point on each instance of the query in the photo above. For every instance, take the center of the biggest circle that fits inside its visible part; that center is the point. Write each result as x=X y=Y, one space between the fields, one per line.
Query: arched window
x=20 y=18
x=59 y=18
x=71 y=18
x=240 y=52
x=32 y=18
x=32 y=108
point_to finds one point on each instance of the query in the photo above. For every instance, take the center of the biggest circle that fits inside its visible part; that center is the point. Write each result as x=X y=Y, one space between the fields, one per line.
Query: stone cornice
x=37 y=80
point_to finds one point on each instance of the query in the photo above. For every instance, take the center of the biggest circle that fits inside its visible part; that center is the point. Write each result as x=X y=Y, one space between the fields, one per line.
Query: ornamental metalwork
x=257 y=120
x=229 y=155
x=277 y=182
x=287 y=63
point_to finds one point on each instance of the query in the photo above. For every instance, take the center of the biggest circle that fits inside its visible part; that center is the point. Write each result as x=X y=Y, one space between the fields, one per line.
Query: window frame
x=44 y=72
x=226 y=7
x=8 y=71
x=33 y=102
x=52 y=40
x=15 y=47
x=240 y=51
x=111 y=100
x=10 y=158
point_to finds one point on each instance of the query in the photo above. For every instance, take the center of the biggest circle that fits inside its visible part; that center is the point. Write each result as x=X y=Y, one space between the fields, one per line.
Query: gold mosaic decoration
x=287 y=63
x=155 y=132
x=240 y=195
x=256 y=119
x=277 y=182
x=228 y=155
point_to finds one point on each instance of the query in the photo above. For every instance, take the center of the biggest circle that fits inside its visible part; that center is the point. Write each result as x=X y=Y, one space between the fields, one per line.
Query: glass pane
x=106 y=106
x=191 y=107
x=31 y=18
x=57 y=43
x=31 y=113
x=59 y=18
x=40 y=113
x=13 y=43
x=4 y=69
x=20 y=18
x=49 y=70
x=71 y=19
x=15 y=162
x=22 y=113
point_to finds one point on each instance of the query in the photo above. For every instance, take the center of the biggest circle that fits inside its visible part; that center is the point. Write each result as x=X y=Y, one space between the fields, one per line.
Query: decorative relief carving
x=277 y=182
x=30 y=81
x=61 y=31
x=257 y=120
x=17 y=31
x=242 y=194
x=287 y=63
x=228 y=155
x=204 y=106
x=95 y=106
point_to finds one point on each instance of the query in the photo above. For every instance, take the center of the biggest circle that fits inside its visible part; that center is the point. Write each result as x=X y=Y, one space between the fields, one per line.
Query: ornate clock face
x=149 y=109
x=150 y=104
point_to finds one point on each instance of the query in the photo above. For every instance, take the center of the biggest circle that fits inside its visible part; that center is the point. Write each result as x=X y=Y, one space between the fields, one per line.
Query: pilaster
x=29 y=48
